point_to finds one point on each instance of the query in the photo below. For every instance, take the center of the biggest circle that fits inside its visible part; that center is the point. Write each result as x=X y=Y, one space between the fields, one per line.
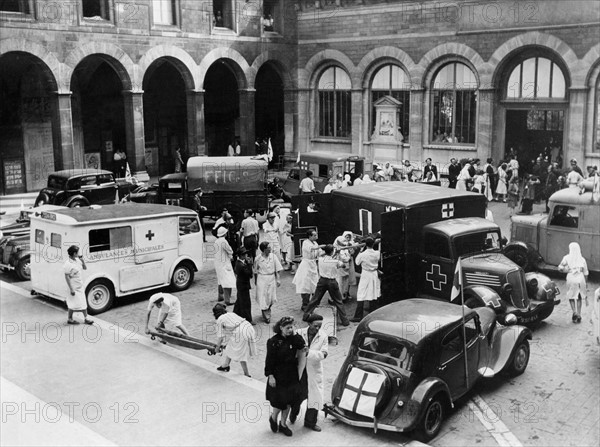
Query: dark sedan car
x=406 y=365
x=81 y=187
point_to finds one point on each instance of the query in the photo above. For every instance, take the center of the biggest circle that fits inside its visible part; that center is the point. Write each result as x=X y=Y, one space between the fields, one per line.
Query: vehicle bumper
x=6 y=267
x=537 y=311
x=333 y=411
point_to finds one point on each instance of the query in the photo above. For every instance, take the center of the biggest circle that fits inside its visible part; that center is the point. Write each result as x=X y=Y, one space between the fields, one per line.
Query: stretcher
x=179 y=339
x=329 y=314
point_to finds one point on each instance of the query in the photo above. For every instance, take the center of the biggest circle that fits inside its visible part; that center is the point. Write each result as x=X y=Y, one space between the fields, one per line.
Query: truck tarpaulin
x=226 y=173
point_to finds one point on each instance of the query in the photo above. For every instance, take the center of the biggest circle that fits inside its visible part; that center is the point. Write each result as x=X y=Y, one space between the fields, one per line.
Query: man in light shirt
x=249 y=233
x=307 y=185
x=169 y=315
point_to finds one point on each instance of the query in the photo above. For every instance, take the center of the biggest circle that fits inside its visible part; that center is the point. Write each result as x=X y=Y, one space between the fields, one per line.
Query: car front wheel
x=431 y=422
x=23 y=269
x=519 y=360
x=100 y=296
x=183 y=275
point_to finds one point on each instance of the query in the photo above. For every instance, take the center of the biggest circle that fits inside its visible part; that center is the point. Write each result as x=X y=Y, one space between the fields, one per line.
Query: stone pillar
x=62 y=133
x=418 y=123
x=247 y=123
x=356 y=110
x=304 y=123
x=195 y=122
x=485 y=115
x=574 y=127
x=134 y=133
x=289 y=115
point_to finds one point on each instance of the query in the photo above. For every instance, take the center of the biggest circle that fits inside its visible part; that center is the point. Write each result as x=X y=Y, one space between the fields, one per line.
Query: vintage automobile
x=540 y=241
x=15 y=252
x=406 y=365
x=324 y=165
x=80 y=187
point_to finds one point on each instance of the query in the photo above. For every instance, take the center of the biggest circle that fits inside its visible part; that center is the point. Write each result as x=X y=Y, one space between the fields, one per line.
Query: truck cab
x=541 y=240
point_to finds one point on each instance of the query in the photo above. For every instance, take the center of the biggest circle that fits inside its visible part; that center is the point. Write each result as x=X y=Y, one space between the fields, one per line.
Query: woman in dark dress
x=281 y=368
x=243 y=275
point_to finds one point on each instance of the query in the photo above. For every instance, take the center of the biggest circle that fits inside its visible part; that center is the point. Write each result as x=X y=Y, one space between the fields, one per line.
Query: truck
x=128 y=248
x=540 y=241
x=235 y=183
x=424 y=232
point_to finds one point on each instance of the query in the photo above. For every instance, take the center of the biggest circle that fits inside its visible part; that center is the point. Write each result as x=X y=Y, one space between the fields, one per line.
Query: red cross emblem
x=436 y=277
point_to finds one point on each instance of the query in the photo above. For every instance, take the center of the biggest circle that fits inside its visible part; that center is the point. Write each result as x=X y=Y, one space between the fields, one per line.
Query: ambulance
x=128 y=248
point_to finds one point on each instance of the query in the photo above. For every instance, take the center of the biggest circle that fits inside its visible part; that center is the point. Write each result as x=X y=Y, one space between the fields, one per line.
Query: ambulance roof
x=68 y=173
x=569 y=196
x=196 y=162
x=405 y=194
x=330 y=156
x=463 y=225
x=114 y=213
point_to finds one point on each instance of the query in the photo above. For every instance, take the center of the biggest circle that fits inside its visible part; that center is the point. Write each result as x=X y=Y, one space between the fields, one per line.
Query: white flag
x=457 y=283
x=270 y=151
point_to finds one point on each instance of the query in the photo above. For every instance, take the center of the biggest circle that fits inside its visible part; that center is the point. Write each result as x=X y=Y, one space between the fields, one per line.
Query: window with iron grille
x=393 y=81
x=454 y=105
x=335 y=111
x=536 y=78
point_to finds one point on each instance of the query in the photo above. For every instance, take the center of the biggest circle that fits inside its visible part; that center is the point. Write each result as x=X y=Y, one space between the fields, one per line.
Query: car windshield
x=477 y=243
x=56 y=182
x=385 y=351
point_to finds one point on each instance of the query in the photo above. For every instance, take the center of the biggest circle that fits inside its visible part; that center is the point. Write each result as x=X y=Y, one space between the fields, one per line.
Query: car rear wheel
x=100 y=296
x=519 y=360
x=432 y=419
x=77 y=204
x=23 y=269
x=518 y=254
x=183 y=276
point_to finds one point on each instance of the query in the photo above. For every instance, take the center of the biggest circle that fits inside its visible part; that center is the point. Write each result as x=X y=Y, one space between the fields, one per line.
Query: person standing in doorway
x=73 y=269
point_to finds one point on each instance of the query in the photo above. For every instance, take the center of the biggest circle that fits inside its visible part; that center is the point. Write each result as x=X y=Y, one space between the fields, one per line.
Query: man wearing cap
x=271 y=234
x=169 y=314
x=310 y=365
x=575 y=167
x=249 y=232
x=224 y=221
x=328 y=266
x=243 y=275
x=223 y=267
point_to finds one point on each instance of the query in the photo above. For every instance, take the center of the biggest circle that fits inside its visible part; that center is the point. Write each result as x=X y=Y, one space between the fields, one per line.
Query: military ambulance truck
x=424 y=232
x=128 y=248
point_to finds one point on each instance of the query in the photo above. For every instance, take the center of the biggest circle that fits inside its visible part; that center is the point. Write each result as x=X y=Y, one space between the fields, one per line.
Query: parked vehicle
x=235 y=183
x=15 y=253
x=408 y=364
x=540 y=241
x=425 y=230
x=82 y=187
x=128 y=248
x=324 y=165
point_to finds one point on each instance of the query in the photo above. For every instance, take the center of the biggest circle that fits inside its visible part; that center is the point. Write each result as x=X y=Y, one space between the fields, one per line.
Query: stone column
x=356 y=109
x=485 y=115
x=247 y=123
x=134 y=133
x=418 y=122
x=575 y=120
x=195 y=122
x=304 y=123
x=289 y=115
x=62 y=133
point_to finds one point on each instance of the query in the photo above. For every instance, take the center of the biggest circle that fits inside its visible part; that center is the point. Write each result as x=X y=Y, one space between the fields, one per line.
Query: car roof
x=404 y=194
x=413 y=319
x=68 y=173
x=330 y=156
x=177 y=177
x=463 y=225
x=116 y=213
x=571 y=196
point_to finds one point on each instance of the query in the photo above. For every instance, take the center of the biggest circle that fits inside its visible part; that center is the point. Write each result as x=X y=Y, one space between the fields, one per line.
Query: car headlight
x=400 y=403
x=510 y=319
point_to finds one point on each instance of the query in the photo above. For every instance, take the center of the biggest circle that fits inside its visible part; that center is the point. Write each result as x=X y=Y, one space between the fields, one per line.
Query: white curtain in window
x=162 y=11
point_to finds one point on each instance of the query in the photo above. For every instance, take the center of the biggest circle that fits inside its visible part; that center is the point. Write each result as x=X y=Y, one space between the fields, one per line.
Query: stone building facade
x=83 y=79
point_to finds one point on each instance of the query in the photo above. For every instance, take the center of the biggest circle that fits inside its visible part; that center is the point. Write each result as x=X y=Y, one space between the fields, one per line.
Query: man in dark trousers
x=430 y=168
x=328 y=266
x=453 y=171
x=243 y=275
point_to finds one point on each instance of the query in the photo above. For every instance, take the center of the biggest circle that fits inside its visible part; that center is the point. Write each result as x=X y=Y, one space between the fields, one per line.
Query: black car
x=81 y=187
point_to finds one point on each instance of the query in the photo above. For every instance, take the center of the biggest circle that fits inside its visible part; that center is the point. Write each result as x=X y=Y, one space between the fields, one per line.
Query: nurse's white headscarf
x=574 y=258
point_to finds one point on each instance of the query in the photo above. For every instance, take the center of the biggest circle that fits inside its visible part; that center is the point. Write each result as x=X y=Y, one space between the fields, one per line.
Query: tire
x=42 y=199
x=473 y=303
x=519 y=360
x=100 y=296
x=431 y=422
x=519 y=256
x=23 y=269
x=183 y=276
x=77 y=204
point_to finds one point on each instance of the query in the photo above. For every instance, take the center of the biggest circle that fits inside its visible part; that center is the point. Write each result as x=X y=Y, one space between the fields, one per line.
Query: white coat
x=313 y=363
x=222 y=262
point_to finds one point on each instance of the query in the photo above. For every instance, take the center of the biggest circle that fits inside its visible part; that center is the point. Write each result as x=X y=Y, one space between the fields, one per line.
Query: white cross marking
x=447 y=210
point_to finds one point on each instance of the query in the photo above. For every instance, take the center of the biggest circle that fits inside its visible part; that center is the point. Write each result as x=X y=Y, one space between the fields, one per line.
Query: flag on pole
x=127 y=172
x=457 y=283
x=298 y=159
x=270 y=151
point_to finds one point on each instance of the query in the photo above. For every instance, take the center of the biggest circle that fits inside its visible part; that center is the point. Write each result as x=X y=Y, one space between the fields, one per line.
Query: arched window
x=392 y=80
x=454 y=105
x=334 y=103
x=536 y=78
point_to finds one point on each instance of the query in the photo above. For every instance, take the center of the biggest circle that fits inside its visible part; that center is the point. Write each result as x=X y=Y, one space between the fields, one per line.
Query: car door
x=436 y=271
x=562 y=229
x=451 y=367
x=190 y=237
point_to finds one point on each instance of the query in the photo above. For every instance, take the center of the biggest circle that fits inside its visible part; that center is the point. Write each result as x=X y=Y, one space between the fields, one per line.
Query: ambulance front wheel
x=100 y=296
x=183 y=276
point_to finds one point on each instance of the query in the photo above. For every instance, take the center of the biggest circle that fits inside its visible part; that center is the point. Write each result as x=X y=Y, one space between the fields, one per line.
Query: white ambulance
x=128 y=248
